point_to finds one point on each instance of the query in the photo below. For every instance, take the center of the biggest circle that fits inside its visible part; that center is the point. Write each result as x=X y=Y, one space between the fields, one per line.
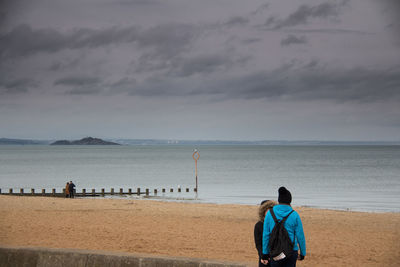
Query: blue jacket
x=293 y=226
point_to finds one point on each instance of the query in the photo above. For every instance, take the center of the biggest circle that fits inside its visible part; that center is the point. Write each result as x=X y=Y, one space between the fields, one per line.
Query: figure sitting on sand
x=294 y=229
x=71 y=188
x=265 y=206
x=67 y=190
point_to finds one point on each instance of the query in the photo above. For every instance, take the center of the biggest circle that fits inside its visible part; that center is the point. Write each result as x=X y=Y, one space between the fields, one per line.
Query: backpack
x=280 y=246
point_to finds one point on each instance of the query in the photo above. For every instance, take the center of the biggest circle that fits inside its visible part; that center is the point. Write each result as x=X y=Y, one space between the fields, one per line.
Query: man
x=71 y=190
x=293 y=226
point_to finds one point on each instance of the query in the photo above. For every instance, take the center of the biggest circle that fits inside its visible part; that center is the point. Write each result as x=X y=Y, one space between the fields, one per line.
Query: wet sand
x=221 y=232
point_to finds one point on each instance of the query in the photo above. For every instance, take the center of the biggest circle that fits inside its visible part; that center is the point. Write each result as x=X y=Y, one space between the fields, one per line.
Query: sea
x=351 y=178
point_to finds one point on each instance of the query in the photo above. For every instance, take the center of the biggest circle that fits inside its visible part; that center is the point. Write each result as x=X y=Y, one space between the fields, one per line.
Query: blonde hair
x=265 y=207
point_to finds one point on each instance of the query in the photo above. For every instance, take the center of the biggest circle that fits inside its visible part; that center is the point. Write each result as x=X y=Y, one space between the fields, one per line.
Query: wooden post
x=155 y=191
x=171 y=190
x=138 y=191
x=53 y=192
x=195 y=190
x=83 y=192
x=196 y=157
x=0 y=190
x=163 y=190
x=187 y=189
x=103 y=191
x=112 y=191
x=43 y=192
x=93 y=192
x=121 y=191
x=11 y=191
x=130 y=191
x=64 y=191
x=32 y=191
x=179 y=190
x=21 y=191
x=147 y=191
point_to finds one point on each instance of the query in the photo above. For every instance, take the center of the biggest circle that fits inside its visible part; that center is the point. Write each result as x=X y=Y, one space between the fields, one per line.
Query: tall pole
x=196 y=156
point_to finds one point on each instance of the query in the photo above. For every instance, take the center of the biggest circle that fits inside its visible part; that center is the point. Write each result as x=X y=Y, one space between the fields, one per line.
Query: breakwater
x=49 y=257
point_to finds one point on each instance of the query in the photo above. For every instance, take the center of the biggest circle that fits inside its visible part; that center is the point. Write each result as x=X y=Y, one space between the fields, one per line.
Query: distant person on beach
x=71 y=188
x=293 y=226
x=67 y=190
x=258 y=227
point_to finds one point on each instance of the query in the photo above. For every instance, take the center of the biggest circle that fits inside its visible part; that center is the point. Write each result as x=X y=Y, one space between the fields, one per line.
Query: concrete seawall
x=49 y=257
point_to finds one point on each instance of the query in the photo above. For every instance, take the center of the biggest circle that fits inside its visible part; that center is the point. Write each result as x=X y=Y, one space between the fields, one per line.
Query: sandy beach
x=221 y=232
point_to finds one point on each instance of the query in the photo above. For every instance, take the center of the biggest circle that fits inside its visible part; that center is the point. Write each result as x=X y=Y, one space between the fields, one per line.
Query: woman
x=258 y=228
x=67 y=190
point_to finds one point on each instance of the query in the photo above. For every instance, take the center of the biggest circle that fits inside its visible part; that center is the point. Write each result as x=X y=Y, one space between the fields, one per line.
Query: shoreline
x=200 y=201
x=199 y=230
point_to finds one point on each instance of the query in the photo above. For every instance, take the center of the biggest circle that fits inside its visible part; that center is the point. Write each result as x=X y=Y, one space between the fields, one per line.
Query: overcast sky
x=209 y=69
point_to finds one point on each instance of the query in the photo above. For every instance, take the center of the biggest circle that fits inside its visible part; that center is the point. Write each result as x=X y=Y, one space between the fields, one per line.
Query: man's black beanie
x=284 y=196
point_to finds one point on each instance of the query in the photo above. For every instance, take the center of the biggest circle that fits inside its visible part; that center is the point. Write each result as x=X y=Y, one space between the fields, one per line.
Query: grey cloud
x=23 y=40
x=391 y=12
x=81 y=85
x=329 y=31
x=260 y=9
x=314 y=82
x=84 y=90
x=204 y=64
x=148 y=62
x=161 y=87
x=293 y=39
x=77 y=81
x=15 y=86
x=236 y=21
x=310 y=81
x=126 y=84
x=168 y=40
x=251 y=40
x=64 y=64
x=305 y=13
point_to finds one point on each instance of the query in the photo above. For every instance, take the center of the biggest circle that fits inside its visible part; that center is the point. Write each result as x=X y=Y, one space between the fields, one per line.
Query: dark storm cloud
x=289 y=82
x=260 y=9
x=204 y=64
x=312 y=82
x=123 y=85
x=294 y=81
x=65 y=64
x=236 y=21
x=251 y=40
x=23 y=40
x=81 y=85
x=168 y=40
x=77 y=81
x=16 y=85
x=305 y=13
x=391 y=11
x=293 y=39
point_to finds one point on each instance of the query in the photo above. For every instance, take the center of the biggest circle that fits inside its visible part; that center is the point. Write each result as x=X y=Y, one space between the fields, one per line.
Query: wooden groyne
x=93 y=192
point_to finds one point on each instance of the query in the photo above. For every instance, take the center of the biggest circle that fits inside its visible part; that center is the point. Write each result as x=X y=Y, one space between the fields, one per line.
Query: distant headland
x=84 y=141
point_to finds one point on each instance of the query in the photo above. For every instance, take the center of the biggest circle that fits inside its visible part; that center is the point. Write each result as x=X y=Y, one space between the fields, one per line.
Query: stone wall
x=48 y=257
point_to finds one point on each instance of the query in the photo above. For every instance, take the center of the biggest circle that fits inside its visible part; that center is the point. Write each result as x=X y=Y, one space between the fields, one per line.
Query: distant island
x=84 y=141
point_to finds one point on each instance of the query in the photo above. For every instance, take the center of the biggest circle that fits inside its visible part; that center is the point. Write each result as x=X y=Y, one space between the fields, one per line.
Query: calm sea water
x=361 y=178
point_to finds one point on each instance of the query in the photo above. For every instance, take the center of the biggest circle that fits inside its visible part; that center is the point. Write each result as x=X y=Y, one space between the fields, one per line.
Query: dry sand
x=222 y=232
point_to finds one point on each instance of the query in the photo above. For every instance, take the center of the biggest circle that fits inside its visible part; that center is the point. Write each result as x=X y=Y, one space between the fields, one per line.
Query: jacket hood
x=282 y=211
